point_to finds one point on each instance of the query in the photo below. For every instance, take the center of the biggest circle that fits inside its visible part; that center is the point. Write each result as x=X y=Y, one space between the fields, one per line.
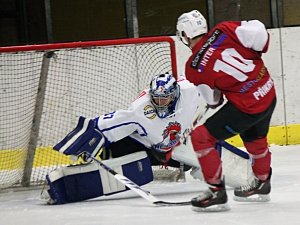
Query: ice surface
x=26 y=208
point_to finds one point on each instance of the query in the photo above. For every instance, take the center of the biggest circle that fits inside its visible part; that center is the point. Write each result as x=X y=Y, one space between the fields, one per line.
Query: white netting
x=81 y=81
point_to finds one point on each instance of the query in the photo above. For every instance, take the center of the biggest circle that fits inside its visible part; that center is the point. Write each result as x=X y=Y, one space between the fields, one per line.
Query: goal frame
x=48 y=50
x=88 y=44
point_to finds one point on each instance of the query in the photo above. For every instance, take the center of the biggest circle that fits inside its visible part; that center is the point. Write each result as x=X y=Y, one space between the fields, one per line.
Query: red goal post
x=45 y=88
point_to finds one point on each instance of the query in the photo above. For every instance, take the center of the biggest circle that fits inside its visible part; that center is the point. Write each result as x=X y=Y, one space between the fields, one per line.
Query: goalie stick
x=137 y=189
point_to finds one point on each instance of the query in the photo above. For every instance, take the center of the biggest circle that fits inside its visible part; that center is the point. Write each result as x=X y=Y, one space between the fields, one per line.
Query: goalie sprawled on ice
x=153 y=131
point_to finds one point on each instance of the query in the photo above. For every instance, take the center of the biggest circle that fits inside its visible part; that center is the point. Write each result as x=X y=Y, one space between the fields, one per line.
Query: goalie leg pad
x=236 y=163
x=84 y=138
x=81 y=182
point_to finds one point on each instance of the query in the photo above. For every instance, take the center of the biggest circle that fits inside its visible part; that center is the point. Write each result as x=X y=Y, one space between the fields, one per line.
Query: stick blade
x=164 y=203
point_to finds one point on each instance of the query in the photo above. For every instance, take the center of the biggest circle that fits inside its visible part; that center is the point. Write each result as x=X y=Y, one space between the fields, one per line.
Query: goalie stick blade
x=164 y=203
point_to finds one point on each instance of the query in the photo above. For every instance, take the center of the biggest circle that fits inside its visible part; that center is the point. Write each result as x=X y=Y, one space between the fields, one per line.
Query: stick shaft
x=137 y=189
x=128 y=183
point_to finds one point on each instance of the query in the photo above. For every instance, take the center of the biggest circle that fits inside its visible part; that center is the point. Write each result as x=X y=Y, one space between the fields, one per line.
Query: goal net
x=45 y=88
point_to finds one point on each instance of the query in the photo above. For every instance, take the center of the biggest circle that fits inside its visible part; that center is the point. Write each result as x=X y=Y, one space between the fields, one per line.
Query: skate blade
x=213 y=208
x=253 y=198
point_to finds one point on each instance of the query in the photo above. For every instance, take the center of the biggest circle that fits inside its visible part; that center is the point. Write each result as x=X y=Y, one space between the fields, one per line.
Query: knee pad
x=81 y=182
x=202 y=139
x=257 y=148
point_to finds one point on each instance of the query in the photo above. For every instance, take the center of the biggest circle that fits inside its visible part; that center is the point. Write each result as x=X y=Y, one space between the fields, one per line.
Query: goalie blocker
x=81 y=182
x=85 y=138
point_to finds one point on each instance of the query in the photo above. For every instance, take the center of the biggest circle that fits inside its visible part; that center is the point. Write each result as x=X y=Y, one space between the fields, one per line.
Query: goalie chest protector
x=81 y=182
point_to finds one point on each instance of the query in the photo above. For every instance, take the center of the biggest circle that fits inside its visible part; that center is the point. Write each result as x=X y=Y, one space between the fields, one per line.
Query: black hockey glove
x=161 y=155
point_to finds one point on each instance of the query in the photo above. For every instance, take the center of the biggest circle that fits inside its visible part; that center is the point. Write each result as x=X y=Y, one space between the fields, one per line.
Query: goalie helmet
x=191 y=24
x=164 y=93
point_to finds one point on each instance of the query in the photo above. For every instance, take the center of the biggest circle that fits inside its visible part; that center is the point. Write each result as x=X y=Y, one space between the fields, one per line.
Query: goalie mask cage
x=45 y=88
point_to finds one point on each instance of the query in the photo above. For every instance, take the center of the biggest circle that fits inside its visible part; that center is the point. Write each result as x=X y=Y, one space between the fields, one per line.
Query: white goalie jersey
x=141 y=122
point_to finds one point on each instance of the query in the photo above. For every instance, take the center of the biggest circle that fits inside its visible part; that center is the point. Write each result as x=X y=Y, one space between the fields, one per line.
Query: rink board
x=278 y=135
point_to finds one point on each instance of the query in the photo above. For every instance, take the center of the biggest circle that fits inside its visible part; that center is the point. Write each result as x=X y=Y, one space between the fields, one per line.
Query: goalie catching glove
x=85 y=140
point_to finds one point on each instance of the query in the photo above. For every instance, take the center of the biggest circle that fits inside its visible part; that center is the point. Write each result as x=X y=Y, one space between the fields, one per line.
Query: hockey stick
x=137 y=189
x=200 y=117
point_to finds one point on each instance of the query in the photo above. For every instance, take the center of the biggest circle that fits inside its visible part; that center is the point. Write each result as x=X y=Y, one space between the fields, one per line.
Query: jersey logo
x=207 y=50
x=251 y=83
x=263 y=90
x=171 y=137
x=149 y=112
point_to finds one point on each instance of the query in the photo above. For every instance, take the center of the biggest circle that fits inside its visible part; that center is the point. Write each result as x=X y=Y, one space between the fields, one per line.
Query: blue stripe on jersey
x=125 y=124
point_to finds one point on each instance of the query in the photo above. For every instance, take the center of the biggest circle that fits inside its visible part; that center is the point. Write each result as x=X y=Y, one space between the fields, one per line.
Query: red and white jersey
x=141 y=123
x=228 y=59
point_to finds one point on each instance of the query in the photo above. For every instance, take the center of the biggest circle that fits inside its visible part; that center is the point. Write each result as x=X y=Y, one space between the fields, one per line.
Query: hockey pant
x=86 y=181
x=236 y=163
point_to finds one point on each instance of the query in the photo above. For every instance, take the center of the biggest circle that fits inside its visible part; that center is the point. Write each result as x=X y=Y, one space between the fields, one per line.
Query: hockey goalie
x=154 y=130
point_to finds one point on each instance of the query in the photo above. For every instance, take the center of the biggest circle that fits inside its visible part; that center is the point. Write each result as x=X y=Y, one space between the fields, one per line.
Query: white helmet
x=192 y=24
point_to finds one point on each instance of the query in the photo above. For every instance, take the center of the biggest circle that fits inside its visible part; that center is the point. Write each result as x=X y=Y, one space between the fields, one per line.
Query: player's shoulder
x=232 y=25
x=227 y=25
x=185 y=84
x=188 y=89
x=142 y=100
x=142 y=108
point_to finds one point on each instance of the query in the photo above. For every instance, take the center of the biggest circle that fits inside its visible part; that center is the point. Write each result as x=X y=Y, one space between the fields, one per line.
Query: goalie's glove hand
x=82 y=158
x=161 y=155
x=86 y=157
x=86 y=139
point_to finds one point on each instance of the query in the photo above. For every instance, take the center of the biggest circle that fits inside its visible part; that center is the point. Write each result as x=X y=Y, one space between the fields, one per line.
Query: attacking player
x=226 y=61
x=145 y=134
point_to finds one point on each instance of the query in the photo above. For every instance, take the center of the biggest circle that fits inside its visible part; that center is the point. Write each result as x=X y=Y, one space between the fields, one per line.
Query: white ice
x=26 y=208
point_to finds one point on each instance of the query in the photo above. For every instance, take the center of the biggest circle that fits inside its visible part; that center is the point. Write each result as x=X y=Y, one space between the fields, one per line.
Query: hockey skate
x=212 y=200
x=257 y=191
